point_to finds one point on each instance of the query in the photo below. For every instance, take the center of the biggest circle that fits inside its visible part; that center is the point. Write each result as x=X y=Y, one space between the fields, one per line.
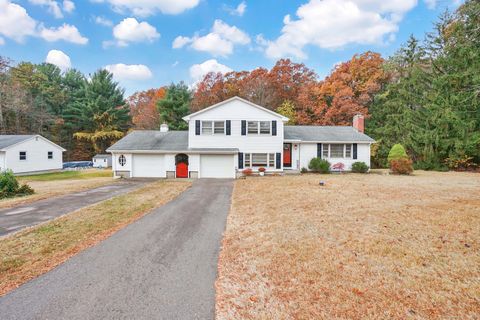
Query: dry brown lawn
x=52 y=185
x=363 y=246
x=30 y=253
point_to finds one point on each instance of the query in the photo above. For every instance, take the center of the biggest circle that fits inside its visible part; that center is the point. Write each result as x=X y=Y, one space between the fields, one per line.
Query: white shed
x=102 y=161
x=25 y=154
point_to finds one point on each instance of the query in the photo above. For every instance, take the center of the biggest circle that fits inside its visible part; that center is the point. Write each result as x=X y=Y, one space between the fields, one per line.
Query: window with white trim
x=50 y=155
x=213 y=127
x=257 y=160
x=259 y=127
x=207 y=127
x=337 y=150
x=22 y=155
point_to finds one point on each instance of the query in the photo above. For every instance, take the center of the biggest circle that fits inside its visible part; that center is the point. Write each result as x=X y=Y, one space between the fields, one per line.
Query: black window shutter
x=274 y=128
x=319 y=150
x=354 y=151
x=240 y=160
x=244 y=127
x=279 y=161
x=228 y=127
x=197 y=127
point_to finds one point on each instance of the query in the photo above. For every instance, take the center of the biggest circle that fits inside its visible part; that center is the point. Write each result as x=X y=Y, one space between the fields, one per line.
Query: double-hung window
x=259 y=127
x=219 y=127
x=337 y=150
x=50 y=155
x=213 y=127
x=22 y=155
x=207 y=127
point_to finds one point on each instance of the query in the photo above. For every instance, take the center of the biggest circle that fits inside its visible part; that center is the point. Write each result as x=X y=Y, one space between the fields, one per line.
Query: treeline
x=83 y=115
x=425 y=97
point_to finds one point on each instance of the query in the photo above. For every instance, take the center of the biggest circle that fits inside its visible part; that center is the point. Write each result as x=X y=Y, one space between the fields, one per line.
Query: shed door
x=217 y=166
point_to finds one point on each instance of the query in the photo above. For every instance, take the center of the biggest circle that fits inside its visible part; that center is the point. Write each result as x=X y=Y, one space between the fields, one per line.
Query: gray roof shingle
x=8 y=140
x=325 y=133
x=153 y=140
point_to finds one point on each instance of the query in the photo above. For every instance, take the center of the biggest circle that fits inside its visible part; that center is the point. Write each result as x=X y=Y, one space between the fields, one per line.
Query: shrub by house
x=319 y=165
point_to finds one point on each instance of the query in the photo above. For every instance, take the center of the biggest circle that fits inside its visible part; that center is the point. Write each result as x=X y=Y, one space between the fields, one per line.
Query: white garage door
x=148 y=166
x=217 y=166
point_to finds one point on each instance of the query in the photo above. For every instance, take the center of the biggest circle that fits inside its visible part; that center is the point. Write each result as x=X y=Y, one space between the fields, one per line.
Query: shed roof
x=325 y=134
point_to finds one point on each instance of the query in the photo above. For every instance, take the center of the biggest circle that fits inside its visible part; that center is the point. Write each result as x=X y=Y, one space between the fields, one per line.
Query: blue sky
x=150 y=43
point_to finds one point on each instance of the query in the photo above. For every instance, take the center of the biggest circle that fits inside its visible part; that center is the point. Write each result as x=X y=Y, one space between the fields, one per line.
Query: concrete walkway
x=161 y=267
x=20 y=217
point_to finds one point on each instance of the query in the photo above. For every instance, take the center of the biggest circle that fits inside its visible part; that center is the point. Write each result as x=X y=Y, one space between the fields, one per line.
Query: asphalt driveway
x=161 y=267
x=20 y=217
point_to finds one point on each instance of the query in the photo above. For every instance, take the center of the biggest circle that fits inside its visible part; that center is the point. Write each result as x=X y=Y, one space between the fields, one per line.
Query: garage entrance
x=181 y=164
x=217 y=166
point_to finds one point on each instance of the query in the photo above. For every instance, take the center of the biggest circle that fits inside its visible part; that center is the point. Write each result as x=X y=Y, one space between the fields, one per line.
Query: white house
x=102 y=161
x=232 y=135
x=29 y=154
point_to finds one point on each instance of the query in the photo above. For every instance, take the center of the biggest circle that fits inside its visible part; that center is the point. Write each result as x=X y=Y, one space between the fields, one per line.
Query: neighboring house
x=102 y=161
x=29 y=154
x=232 y=135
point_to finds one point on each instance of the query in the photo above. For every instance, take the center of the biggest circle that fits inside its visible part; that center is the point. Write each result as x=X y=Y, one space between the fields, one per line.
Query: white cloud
x=238 y=11
x=198 y=71
x=133 y=72
x=332 y=24
x=59 y=58
x=15 y=23
x=2 y=41
x=65 y=32
x=68 y=6
x=144 y=8
x=54 y=7
x=103 y=21
x=219 y=42
x=180 y=41
x=130 y=30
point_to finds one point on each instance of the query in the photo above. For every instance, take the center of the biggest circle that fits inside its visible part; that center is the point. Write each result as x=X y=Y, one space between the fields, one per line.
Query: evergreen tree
x=175 y=105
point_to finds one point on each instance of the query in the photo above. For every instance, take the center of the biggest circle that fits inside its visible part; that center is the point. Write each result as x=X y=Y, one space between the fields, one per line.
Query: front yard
x=363 y=246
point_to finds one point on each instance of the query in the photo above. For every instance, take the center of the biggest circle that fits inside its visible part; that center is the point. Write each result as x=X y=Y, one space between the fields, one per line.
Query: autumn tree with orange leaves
x=268 y=88
x=143 y=108
x=347 y=91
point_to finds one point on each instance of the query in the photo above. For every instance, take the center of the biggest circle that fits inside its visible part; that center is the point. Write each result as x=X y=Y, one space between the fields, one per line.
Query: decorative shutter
x=228 y=127
x=274 y=128
x=244 y=127
x=354 y=151
x=319 y=150
x=279 y=161
x=197 y=127
x=240 y=160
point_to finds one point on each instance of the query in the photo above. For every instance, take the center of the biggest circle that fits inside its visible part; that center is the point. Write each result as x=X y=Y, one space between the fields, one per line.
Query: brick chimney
x=359 y=123
x=164 y=127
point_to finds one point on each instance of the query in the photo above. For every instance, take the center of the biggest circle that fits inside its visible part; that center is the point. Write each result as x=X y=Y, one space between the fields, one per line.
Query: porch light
x=295 y=146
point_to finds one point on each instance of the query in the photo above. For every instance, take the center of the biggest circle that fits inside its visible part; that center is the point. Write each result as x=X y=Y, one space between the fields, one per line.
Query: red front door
x=287 y=154
x=182 y=170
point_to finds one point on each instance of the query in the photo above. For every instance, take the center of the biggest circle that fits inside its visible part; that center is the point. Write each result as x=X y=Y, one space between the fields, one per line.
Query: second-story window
x=259 y=127
x=213 y=127
x=207 y=127
x=219 y=127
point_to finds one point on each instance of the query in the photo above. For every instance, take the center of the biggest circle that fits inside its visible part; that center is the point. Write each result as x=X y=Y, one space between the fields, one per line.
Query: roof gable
x=236 y=99
x=8 y=141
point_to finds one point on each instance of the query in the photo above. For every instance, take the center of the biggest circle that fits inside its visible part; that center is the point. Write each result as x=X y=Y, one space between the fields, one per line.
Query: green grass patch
x=65 y=175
